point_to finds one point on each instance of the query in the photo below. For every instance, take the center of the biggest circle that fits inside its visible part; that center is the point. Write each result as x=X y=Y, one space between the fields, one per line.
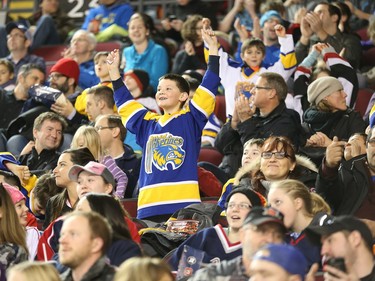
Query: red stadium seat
x=130 y=205
x=363 y=98
x=211 y=155
x=108 y=46
x=220 y=110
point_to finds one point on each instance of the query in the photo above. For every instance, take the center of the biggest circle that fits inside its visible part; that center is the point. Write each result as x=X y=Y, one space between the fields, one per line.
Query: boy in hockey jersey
x=238 y=78
x=170 y=142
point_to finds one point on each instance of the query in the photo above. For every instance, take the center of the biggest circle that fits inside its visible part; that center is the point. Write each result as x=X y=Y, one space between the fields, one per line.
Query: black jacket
x=280 y=122
x=341 y=124
x=346 y=187
x=39 y=163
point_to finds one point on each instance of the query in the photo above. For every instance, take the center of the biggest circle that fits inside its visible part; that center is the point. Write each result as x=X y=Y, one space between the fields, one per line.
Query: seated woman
x=220 y=243
x=278 y=161
x=328 y=116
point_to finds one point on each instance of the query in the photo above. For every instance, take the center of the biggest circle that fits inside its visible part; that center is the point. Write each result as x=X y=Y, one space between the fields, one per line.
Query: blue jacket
x=154 y=60
x=119 y=14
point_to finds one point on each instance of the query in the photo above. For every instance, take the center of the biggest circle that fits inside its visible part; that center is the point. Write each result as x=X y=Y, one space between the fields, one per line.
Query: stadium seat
x=363 y=98
x=220 y=110
x=50 y=53
x=108 y=46
x=130 y=205
x=211 y=155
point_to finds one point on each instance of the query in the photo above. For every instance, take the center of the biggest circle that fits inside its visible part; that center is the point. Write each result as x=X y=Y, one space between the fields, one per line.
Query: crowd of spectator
x=293 y=194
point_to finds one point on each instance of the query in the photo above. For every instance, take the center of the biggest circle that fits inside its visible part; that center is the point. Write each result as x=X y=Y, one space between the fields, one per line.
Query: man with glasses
x=18 y=41
x=112 y=135
x=263 y=225
x=348 y=185
x=265 y=114
x=346 y=238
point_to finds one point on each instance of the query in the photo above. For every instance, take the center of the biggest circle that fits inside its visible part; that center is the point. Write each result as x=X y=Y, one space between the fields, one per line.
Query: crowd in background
x=294 y=190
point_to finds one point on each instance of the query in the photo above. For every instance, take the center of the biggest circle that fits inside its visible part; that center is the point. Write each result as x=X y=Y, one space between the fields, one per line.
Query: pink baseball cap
x=92 y=168
x=14 y=193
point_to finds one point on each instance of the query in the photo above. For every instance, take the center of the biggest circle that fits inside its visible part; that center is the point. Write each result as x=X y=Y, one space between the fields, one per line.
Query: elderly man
x=82 y=50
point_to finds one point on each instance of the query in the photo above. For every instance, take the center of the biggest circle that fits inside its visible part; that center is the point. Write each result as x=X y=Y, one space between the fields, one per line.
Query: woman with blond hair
x=300 y=208
x=87 y=136
x=29 y=271
x=144 y=269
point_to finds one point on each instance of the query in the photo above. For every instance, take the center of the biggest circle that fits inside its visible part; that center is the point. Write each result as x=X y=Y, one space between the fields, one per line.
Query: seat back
x=220 y=110
x=363 y=98
x=211 y=155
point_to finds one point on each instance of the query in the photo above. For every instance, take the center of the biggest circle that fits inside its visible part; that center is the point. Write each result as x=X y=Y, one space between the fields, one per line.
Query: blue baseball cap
x=270 y=14
x=285 y=256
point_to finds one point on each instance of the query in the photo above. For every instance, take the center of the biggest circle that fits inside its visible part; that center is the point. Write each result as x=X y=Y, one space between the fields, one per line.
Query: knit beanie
x=268 y=15
x=67 y=67
x=14 y=193
x=321 y=88
x=141 y=78
x=254 y=197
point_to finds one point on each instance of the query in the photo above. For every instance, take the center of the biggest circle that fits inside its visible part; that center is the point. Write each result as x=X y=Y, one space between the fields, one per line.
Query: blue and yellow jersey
x=168 y=178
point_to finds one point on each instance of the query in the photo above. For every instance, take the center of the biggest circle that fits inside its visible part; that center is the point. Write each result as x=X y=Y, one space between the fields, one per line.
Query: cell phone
x=338 y=263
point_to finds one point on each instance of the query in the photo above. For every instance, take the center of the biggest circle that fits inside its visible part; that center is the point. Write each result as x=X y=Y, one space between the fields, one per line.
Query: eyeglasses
x=241 y=206
x=98 y=128
x=278 y=155
x=56 y=76
x=261 y=88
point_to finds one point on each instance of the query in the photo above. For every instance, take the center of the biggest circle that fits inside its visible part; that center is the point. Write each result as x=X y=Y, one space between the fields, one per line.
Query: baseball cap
x=12 y=25
x=285 y=256
x=261 y=215
x=92 y=168
x=328 y=225
x=14 y=193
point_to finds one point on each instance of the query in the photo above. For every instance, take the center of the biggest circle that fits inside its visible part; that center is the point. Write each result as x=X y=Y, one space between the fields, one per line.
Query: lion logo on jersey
x=163 y=151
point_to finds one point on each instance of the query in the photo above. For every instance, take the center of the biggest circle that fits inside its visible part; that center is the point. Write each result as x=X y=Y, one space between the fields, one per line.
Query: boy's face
x=169 y=97
x=252 y=56
x=250 y=153
x=5 y=74
x=101 y=69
